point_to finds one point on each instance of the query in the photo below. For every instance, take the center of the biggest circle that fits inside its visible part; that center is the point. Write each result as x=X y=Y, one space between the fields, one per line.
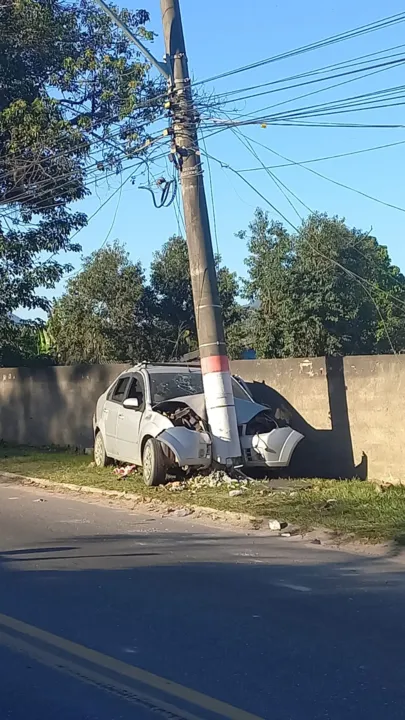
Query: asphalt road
x=106 y=614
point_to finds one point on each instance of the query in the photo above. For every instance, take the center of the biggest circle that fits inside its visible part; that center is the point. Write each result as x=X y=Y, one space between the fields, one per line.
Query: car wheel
x=154 y=463
x=101 y=458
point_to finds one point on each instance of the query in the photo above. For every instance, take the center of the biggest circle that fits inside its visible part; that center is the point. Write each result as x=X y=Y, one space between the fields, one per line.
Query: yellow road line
x=92 y=677
x=138 y=674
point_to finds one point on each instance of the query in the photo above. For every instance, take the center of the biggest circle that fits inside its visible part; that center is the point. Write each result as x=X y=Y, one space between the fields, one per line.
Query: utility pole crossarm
x=161 y=66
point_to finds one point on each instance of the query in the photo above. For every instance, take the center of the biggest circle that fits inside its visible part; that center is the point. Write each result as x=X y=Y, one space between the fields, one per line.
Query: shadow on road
x=312 y=638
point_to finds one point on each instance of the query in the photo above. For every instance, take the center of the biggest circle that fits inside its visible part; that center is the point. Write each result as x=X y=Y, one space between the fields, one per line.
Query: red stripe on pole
x=215 y=363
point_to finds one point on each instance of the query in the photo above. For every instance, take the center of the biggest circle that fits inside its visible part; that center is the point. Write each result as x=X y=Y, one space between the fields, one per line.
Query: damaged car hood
x=245 y=409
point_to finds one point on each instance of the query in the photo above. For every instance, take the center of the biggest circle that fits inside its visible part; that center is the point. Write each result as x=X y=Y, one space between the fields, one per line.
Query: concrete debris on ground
x=176 y=486
x=215 y=479
x=124 y=470
x=235 y=493
x=274 y=525
x=181 y=512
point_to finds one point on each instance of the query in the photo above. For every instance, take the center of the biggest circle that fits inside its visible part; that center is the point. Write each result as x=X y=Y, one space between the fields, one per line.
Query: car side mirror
x=131 y=403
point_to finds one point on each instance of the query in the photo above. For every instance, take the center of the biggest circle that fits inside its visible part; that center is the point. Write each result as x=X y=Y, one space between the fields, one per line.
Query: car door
x=128 y=423
x=112 y=407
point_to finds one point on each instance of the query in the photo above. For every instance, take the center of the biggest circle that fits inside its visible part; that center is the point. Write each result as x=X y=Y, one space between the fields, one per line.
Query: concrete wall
x=53 y=405
x=351 y=410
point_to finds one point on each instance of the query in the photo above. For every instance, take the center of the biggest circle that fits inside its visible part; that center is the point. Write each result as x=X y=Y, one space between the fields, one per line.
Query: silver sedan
x=154 y=416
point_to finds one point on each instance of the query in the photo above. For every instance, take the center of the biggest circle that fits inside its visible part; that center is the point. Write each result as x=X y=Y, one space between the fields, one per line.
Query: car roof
x=166 y=367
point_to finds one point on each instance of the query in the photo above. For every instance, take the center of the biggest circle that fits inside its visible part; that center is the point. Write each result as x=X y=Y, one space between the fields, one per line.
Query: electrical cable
x=245 y=142
x=340 y=37
x=335 y=262
x=348 y=104
x=166 y=185
x=327 y=157
x=309 y=73
x=319 y=90
x=214 y=217
x=350 y=273
x=59 y=187
x=83 y=144
x=101 y=161
x=311 y=211
x=294 y=122
x=114 y=218
x=119 y=189
x=325 y=177
x=381 y=66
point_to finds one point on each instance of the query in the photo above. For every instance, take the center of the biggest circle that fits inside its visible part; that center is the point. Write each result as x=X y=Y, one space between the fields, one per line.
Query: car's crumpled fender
x=153 y=423
x=277 y=446
x=189 y=447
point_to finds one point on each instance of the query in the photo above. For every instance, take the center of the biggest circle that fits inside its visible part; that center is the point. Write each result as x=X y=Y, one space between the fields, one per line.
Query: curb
x=152 y=505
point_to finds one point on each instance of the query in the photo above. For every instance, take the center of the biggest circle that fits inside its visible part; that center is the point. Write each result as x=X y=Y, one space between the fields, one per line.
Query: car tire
x=101 y=458
x=154 y=463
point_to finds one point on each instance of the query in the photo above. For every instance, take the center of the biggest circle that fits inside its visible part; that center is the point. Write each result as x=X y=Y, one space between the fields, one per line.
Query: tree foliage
x=105 y=315
x=108 y=312
x=327 y=289
x=26 y=344
x=75 y=97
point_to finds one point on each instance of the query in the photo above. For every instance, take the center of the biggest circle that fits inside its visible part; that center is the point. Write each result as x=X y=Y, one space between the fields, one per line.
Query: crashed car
x=154 y=416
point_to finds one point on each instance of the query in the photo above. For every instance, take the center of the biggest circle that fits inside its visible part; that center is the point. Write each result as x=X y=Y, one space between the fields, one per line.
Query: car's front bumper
x=190 y=448
x=272 y=449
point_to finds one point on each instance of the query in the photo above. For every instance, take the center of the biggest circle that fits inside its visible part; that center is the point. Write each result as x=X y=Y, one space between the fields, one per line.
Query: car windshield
x=166 y=386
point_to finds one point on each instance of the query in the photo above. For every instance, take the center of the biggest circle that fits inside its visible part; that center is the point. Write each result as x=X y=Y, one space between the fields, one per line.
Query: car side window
x=119 y=389
x=137 y=389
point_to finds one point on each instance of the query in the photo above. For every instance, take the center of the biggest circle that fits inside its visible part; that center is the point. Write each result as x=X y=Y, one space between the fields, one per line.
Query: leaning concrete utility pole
x=217 y=379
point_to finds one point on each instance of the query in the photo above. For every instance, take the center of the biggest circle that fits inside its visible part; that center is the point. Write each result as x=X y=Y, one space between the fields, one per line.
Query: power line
x=347 y=104
x=325 y=177
x=327 y=157
x=294 y=122
x=97 y=165
x=252 y=187
x=245 y=142
x=294 y=227
x=303 y=123
x=350 y=273
x=104 y=118
x=117 y=190
x=114 y=218
x=340 y=37
x=58 y=188
x=386 y=97
x=320 y=90
x=274 y=177
x=381 y=66
x=309 y=73
x=214 y=218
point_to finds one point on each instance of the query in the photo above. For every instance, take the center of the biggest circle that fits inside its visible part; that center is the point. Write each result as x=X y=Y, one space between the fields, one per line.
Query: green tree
x=171 y=284
x=327 y=289
x=106 y=313
x=25 y=345
x=269 y=262
x=75 y=100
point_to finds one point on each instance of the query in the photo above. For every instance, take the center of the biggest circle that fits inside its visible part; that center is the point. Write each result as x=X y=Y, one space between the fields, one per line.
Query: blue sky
x=222 y=35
